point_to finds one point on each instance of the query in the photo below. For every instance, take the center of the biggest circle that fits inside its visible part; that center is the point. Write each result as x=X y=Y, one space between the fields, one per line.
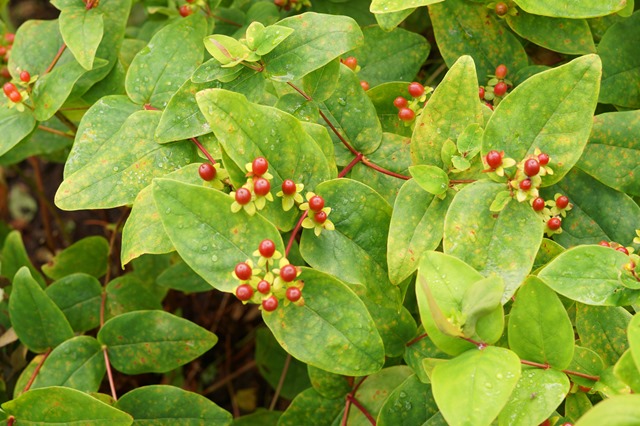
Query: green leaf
x=622 y=410
x=153 y=341
x=418 y=349
x=576 y=405
x=171 y=56
x=62 y=405
x=36 y=43
x=386 y=6
x=430 y=178
x=317 y=40
x=590 y=275
x=549 y=249
x=620 y=66
x=168 y=405
x=78 y=363
x=627 y=370
x=603 y=329
x=261 y=417
x=181 y=277
x=79 y=297
x=539 y=327
x=188 y=212
x=37 y=321
x=537 y=395
x=390 y=56
x=472 y=388
x=396 y=326
x=612 y=152
x=610 y=385
x=382 y=97
x=333 y=314
x=212 y=70
x=88 y=256
x=127 y=293
x=228 y=51
x=355 y=251
x=14 y=126
x=128 y=162
x=634 y=338
x=14 y=257
x=569 y=36
x=268 y=39
x=411 y=403
x=452 y=107
x=465 y=28
x=327 y=384
x=481 y=299
x=389 y=21
x=584 y=9
x=321 y=83
x=311 y=409
x=503 y=243
x=588 y=362
x=82 y=31
x=564 y=99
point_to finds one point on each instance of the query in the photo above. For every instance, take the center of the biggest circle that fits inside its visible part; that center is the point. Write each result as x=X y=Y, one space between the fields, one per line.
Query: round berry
x=501 y=71
x=481 y=92
x=8 y=88
x=531 y=167
x=288 y=187
x=351 y=62
x=261 y=186
x=288 y=273
x=185 y=10
x=244 y=292
x=207 y=171
x=3 y=50
x=584 y=389
x=623 y=249
x=545 y=423
x=364 y=85
x=316 y=203
x=501 y=9
x=243 y=271
x=543 y=159
x=604 y=243
x=500 y=89
x=267 y=248
x=294 y=294
x=280 y=3
x=416 y=89
x=243 y=196
x=567 y=424
x=538 y=204
x=554 y=223
x=4 y=72
x=9 y=37
x=25 y=76
x=525 y=185
x=15 y=96
x=260 y=166
x=320 y=217
x=400 y=102
x=493 y=159
x=406 y=114
x=264 y=287
x=562 y=202
x=270 y=304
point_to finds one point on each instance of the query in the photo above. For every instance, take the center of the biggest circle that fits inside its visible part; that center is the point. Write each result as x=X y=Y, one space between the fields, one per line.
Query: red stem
x=56 y=58
x=293 y=234
x=350 y=166
x=569 y=372
x=11 y=420
x=384 y=171
x=112 y=384
x=203 y=150
x=36 y=371
x=349 y=399
x=416 y=339
x=364 y=411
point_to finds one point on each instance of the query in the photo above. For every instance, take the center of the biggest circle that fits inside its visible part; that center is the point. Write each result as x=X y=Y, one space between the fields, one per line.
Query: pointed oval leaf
x=430 y=178
x=329 y=385
x=585 y=361
x=539 y=327
x=387 y=6
x=35 y=44
x=128 y=293
x=153 y=341
x=583 y=9
x=37 y=321
x=418 y=349
x=626 y=370
x=633 y=333
x=181 y=277
x=14 y=127
x=311 y=409
x=604 y=330
x=82 y=31
x=88 y=256
x=15 y=256
x=79 y=297
x=472 y=388
x=563 y=99
x=168 y=405
x=321 y=83
x=622 y=410
x=411 y=403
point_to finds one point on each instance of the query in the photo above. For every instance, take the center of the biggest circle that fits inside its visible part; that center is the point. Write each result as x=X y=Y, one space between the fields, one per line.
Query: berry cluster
x=255 y=193
x=407 y=111
x=352 y=63
x=6 y=43
x=317 y=218
x=274 y=285
x=496 y=87
x=213 y=174
x=616 y=246
x=292 y=4
x=15 y=95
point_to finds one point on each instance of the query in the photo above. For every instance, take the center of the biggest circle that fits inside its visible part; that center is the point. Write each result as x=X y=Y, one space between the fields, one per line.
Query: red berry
x=244 y=292
x=288 y=187
x=406 y=114
x=400 y=102
x=501 y=10
x=316 y=203
x=493 y=159
x=207 y=171
x=15 y=96
x=4 y=72
x=280 y=3
x=270 y=304
x=185 y=10
x=264 y=287
x=288 y=273
x=489 y=105
x=623 y=249
x=9 y=37
x=3 y=50
x=567 y=424
x=416 y=89
x=562 y=202
x=260 y=166
x=538 y=204
x=294 y=294
x=243 y=196
x=554 y=223
x=531 y=167
x=25 y=76
x=267 y=248
x=500 y=89
x=501 y=70
x=190 y=1
x=351 y=62
x=481 y=92
x=545 y=423
x=543 y=159
x=604 y=243
x=584 y=389
x=364 y=85
x=8 y=88
x=243 y=271
x=261 y=186
x=525 y=185
x=320 y=217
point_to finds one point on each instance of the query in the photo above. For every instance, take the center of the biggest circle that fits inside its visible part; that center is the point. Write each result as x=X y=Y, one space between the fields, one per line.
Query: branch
x=36 y=371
